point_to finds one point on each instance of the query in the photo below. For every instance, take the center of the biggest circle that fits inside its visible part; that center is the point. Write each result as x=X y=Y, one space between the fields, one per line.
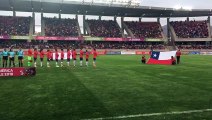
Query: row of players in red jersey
x=70 y=53
x=49 y=54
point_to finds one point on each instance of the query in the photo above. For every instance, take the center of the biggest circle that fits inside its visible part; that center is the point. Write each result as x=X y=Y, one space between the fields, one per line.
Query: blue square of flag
x=155 y=55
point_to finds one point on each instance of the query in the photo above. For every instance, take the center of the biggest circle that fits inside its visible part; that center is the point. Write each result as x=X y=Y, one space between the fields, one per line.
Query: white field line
x=152 y=114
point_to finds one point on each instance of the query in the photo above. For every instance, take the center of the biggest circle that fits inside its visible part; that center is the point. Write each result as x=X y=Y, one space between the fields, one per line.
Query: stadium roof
x=126 y=8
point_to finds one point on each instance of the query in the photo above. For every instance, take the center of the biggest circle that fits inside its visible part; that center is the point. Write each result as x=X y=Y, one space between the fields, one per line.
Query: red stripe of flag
x=162 y=62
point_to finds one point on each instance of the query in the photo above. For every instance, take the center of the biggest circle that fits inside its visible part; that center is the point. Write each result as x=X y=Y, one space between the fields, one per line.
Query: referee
x=11 y=58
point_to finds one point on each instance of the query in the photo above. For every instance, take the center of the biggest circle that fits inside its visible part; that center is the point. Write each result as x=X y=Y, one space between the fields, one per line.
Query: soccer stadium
x=105 y=60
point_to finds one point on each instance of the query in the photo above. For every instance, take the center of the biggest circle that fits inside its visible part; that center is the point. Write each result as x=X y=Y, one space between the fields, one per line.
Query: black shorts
x=48 y=59
x=86 y=59
x=74 y=59
x=35 y=59
x=41 y=59
x=173 y=62
x=68 y=59
x=143 y=61
x=20 y=57
x=94 y=59
x=5 y=57
x=81 y=59
x=61 y=59
x=56 y=60
x=12 y=59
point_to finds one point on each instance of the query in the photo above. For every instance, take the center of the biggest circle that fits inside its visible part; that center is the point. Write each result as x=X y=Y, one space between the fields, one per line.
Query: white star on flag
x=155 y=55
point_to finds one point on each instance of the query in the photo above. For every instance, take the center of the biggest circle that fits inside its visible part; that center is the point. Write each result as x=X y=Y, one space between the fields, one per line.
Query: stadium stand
x=72 y=44
x=145 y=29
x=190 y=29
x=99 y=45
x=193 y=45
x=103 y=28
x=61 y=27
x=126 y=45
x=14 y=25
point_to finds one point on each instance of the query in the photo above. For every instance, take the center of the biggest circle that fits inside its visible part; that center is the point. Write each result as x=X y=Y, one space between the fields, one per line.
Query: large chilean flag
x=163 y=58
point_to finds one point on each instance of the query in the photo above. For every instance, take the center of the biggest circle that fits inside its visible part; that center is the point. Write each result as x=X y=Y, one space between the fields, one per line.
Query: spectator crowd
x=190 y=29
x=61 y=27
x=100 y=45
x=18 y=26
x=145 y=29
x=76 y=44
x=193 y=45
x=103 y=28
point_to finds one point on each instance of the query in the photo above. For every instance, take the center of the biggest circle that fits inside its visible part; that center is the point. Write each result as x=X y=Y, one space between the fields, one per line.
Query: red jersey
x=81 y=54
x=62 y=54
x=74 y=54
x=173 y=60
x=143 y=58
x=49 y=55
x=178 y=53
x=41 y=54
x=69 y=54
x=56 y=55
x=87 y=55
x=94 y=54
x=35 y=54
x=29 y=52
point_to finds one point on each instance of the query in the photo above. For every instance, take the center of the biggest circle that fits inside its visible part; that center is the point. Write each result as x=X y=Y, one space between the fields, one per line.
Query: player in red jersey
x=178 y=54
x=94 y=57
x=62 y=57
x=68 y=57
x=51 y=54
x=41 y=57
x=29 y=53
x=35 y=54
x=87 y=57
x=74 y=56
x=56 y=57
x=173 y=60
x=81 y=57
x=143 y=59
x=48 y=55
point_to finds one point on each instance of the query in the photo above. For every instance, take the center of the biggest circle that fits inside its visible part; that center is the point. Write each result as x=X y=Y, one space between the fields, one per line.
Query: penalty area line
x=152 y=114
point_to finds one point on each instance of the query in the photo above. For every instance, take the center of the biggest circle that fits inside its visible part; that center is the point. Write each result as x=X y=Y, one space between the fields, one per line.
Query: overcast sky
x=194 y=4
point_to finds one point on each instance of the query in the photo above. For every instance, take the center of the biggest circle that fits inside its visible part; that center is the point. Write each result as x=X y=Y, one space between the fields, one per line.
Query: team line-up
x=32 y=56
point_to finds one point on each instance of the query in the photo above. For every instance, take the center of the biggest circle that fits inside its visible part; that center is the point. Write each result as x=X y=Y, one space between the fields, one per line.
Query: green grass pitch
x=119 y=86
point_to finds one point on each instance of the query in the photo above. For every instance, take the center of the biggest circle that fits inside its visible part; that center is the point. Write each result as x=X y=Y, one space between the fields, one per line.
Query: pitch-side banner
x=4 y=37
x=128 y=52
x=59 y=58
x=124 y=39
x=16 y=72
x=114 y=39
x=135 y=39
x=93 y=38
x=57 y=38
x=153 y=40
x=142 y=53
x=205 y=53
x=21 y=37
x=113 y=53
